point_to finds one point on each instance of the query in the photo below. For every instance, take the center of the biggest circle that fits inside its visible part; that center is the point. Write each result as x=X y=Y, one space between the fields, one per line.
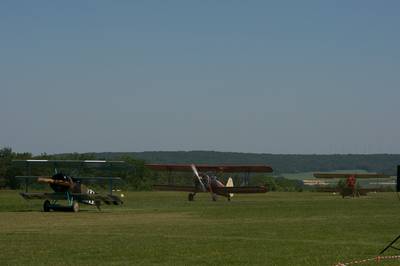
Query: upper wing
x=213 y=168
x=241 y=190
x=70 y=163
x=346 y=175
x=175 y=188
x=80 y=178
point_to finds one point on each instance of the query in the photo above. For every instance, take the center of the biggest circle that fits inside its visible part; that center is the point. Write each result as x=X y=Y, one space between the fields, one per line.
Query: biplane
x=207 y=181
x=68 y=188
x=348 y=186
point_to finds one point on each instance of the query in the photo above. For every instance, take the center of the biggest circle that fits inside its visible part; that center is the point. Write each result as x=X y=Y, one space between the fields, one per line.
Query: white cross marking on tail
x=90 y=191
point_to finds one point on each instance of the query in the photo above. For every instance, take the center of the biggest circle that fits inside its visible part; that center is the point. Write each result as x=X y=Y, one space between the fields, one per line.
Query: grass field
x=162 y=228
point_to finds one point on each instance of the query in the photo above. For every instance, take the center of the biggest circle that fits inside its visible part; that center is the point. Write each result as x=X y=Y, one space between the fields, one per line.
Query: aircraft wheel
x=214 y=197
x=191 y=197
x=46 y=206
x=75 y=206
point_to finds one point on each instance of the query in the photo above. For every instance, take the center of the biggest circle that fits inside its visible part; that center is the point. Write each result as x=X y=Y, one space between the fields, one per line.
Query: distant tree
x=136 y=175
x=7 y=171
x=5 y=162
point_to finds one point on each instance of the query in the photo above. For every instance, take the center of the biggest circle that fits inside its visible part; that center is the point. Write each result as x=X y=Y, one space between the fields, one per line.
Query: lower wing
x=49 y=196
x=240 y=190
x=107 y=199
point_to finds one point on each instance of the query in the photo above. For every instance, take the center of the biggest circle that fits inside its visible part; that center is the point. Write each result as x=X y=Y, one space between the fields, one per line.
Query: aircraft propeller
x=196 y=173
x=201 y=182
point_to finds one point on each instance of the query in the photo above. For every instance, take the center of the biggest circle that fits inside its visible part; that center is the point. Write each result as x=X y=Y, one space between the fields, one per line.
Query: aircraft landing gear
x=75 y=206
x=191 y=196
x=46 y=206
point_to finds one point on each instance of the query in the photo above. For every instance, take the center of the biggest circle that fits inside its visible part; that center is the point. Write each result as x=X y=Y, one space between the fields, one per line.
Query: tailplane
x=90 y=192
x=230 y=184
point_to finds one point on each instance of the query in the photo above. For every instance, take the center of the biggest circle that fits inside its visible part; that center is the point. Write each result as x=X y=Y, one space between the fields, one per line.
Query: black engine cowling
x=59 y=188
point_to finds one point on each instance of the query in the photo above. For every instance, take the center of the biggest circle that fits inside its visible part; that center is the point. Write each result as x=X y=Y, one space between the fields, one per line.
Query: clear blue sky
x=246 y=76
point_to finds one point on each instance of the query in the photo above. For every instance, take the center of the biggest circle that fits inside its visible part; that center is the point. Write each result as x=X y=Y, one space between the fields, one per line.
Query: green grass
x=162 y=228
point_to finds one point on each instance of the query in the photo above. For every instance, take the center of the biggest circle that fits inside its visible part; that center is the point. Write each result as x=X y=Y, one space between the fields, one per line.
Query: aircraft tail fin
x=230 y=184
x=90 y=192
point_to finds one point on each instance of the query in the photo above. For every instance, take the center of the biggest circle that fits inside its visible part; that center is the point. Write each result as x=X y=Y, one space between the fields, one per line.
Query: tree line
x=281 y=163
x=137 y=177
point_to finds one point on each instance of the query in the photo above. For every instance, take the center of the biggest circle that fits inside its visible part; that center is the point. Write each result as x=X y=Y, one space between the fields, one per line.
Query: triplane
x=68 y=188
x=209 y=182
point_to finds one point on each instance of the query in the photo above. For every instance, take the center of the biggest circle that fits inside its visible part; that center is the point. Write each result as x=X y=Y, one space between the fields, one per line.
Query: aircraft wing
x=70 y=163
x=175 y=188
x=212 y=168
x=27 y=176
x=96 y=178
x=80 y=178
x=49 y=196
x=239 y=190
x=346 y=175
x=221 y=189
x=108 y=199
